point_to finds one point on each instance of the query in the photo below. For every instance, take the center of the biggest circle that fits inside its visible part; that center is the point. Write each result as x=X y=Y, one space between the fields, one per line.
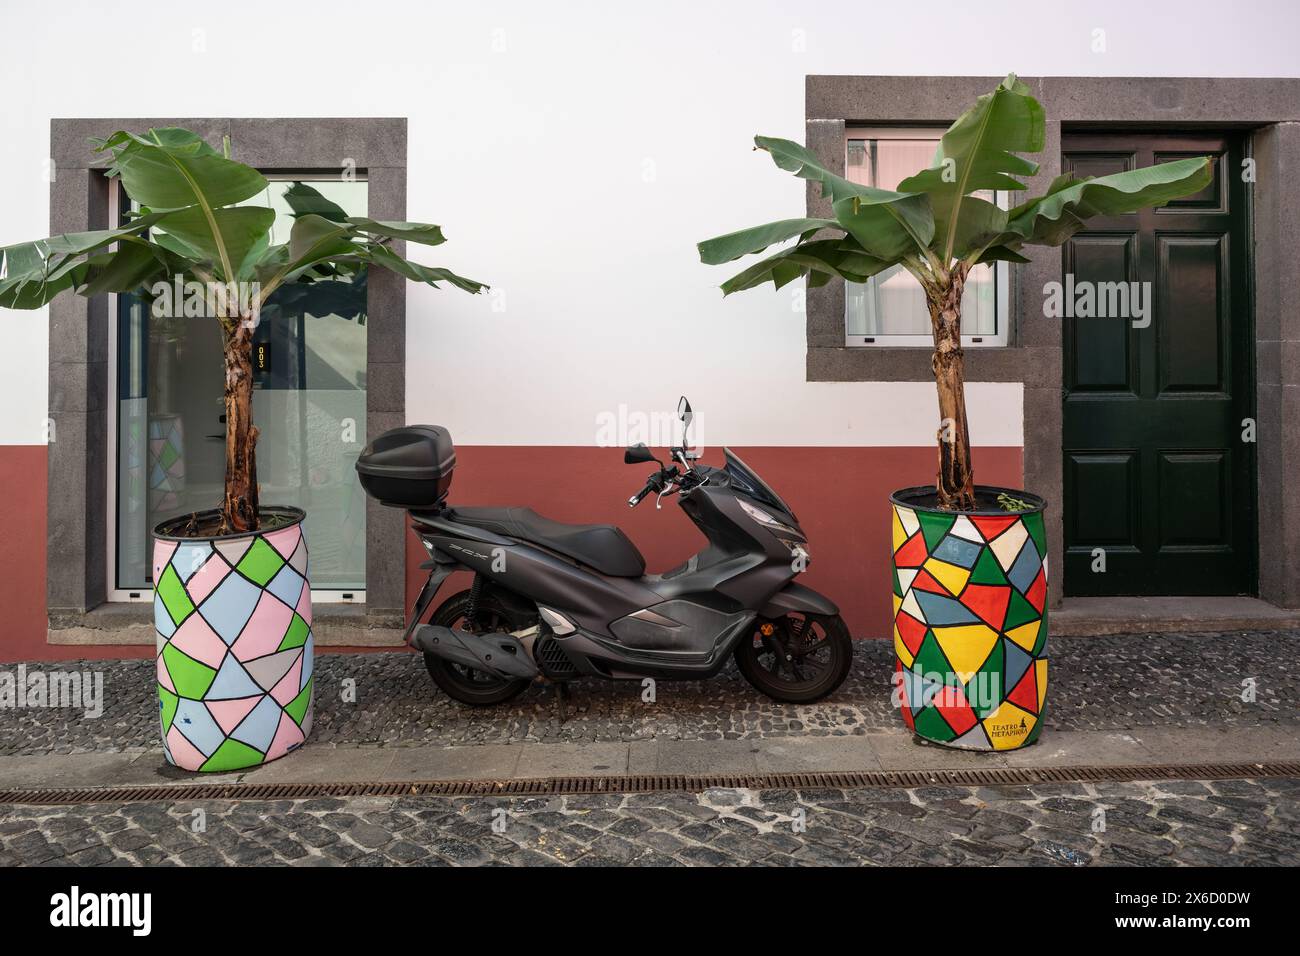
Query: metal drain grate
x=647 y=783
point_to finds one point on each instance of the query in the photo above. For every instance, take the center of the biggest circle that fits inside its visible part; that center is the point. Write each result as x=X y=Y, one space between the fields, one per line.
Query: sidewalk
x=877 y=751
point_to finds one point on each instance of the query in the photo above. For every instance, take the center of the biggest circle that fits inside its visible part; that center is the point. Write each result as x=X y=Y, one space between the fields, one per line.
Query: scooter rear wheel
x=469 y=686
x=798 y=658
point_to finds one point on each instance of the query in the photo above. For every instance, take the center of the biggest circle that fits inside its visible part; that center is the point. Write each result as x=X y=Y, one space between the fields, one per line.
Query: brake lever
x=671 y=489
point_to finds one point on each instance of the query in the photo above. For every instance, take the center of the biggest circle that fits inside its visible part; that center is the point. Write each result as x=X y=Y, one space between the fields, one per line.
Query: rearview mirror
x=637 y=454
x=684 y=411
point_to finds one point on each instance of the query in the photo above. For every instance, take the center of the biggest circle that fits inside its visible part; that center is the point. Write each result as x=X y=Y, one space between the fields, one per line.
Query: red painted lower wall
x=23 y=508
x=22 y=553
x=841 y=496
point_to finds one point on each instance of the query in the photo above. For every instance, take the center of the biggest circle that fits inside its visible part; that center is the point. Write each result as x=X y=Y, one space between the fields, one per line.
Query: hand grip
x=637 y=498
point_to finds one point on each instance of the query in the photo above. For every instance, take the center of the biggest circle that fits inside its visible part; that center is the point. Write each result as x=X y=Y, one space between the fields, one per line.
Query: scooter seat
x=600 y=546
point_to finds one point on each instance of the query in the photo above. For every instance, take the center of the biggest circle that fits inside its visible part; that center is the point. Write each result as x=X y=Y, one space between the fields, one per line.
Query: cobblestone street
x=1116 y=682
x=1225 y=822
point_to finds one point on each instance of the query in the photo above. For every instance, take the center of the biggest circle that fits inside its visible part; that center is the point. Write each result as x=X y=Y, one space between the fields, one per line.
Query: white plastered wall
x=574 y=152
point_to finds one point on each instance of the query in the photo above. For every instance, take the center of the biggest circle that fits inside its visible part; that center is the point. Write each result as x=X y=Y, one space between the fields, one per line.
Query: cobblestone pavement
x=1116 y=682
x=1170 y=823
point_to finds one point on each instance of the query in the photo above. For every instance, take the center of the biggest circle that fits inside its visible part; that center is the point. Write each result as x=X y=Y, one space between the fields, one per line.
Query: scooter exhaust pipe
x=501 y=655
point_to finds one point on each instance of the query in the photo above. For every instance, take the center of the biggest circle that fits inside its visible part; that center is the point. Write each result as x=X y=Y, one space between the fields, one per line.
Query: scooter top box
x=409 y=467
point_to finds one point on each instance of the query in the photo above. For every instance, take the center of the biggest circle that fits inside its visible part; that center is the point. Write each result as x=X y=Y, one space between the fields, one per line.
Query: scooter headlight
x=765 y=519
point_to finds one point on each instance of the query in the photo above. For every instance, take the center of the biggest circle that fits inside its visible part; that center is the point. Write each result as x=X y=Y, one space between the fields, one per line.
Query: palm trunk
x=239 y=510
x=955 y=484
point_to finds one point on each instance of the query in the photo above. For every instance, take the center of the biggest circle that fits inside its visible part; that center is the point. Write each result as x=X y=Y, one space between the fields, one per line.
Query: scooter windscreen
x=745 y=480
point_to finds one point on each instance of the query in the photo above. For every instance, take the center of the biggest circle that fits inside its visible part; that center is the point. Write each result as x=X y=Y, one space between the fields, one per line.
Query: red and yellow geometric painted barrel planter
x=235 y=649
x=970 y=619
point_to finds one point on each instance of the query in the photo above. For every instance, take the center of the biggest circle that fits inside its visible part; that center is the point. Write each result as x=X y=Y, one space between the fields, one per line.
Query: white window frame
x=144 y=595
x=1001 y=270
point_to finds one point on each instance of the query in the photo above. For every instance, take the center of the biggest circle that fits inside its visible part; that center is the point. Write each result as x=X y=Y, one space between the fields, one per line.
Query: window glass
x=309 y=402
x=892 y=303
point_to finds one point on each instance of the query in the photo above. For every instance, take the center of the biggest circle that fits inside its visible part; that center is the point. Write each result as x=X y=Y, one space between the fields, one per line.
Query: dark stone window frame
x=79 y=458
x=1268 y=109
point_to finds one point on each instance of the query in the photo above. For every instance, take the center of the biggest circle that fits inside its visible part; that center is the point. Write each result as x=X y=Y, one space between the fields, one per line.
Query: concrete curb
x=890 y=751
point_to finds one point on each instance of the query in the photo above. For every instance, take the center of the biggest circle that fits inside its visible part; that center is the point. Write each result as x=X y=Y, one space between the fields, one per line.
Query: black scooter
x=560 y=601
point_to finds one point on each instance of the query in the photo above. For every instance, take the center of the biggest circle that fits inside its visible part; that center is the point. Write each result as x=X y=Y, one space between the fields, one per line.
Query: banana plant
x=936 y=228
x=193 y=222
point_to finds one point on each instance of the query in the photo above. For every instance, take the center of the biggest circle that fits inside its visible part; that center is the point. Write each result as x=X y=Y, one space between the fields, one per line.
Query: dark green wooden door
x=1157 y=474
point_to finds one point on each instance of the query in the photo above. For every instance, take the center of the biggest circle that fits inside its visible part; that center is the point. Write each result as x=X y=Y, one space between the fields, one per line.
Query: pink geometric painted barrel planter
x=233 y=621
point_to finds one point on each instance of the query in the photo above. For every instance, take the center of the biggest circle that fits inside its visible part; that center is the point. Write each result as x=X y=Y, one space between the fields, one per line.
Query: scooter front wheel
x=796 y=659
x=469 y=686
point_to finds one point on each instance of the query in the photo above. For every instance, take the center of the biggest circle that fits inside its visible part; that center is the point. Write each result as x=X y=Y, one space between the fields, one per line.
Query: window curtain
x=892 y=302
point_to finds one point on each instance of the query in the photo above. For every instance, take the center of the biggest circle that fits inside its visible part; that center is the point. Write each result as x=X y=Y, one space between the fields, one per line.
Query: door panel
x=1156 y=473
x=1104 y=487
x=1102 y=361
x=1192 y=340
x=1196 y=487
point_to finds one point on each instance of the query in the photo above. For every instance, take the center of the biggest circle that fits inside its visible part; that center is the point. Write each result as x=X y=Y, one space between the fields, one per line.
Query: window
x=309 y=401
x=889 y=308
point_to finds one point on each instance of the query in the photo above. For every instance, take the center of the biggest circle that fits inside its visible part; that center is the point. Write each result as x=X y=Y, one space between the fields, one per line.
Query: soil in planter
x=206 y=524
x=987 y=500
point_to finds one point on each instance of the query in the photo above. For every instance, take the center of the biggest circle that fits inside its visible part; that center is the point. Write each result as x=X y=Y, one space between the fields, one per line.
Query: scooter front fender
x=795 y=598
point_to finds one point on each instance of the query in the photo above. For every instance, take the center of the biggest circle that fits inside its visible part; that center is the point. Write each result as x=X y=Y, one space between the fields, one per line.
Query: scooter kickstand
x=561 y=698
